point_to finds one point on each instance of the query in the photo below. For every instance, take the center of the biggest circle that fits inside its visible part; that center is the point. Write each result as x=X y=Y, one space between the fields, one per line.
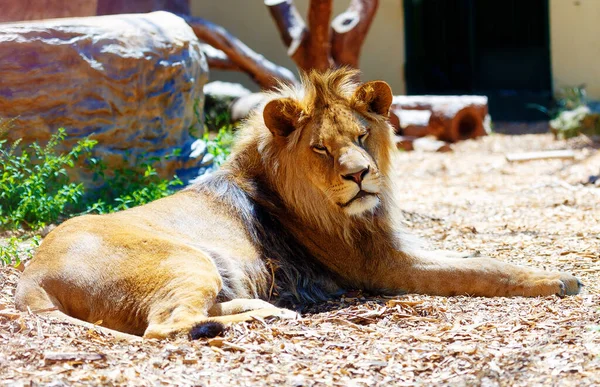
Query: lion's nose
x=357 y=177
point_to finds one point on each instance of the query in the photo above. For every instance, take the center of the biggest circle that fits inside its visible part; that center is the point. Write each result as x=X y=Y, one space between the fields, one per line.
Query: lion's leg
x=183 y=320
x=72 y=320
x=33 y=298
x=182 y=306
x=241 y=305
x=272 y=311
x=437 y=274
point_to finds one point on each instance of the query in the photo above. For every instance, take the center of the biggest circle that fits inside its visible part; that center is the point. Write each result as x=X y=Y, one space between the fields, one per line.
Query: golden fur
x=302 y=210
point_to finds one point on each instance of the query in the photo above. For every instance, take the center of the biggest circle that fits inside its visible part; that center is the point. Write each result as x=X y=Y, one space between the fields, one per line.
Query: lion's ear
x=282 y=116
x=376 y=96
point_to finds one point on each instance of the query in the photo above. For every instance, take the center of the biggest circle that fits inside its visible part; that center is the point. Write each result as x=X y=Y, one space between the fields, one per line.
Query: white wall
x=575 y=44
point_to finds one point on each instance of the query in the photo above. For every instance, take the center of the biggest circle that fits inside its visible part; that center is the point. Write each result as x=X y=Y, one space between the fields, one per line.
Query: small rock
x=207 y=160
x=198 y=149
x=225 y=89
x=243 y=106
x=297 y=381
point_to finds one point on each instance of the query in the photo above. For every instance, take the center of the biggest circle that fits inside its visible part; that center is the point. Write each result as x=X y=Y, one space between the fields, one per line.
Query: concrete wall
x=382 y=54
x=575 y=44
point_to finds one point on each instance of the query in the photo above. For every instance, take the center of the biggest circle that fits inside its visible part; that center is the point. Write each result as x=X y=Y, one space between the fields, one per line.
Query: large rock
x=132 y=82
x=109 y=7
x=18 y=10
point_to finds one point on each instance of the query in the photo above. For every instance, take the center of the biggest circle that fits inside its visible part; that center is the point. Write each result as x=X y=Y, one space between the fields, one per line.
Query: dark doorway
x=498 y=48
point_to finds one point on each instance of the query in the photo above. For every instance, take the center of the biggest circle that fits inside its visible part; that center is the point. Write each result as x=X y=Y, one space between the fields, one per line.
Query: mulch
x=535 y=213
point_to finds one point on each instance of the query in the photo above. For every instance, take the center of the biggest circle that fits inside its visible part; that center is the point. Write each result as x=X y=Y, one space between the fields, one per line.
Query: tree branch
x=217 y=59
x=263 y=72
x=349 y=30
x=290 y=25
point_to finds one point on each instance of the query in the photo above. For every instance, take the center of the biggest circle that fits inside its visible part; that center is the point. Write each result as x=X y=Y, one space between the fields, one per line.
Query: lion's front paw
x=547 y=284
x=281 y=313
x=286 y=314
x=569 y=285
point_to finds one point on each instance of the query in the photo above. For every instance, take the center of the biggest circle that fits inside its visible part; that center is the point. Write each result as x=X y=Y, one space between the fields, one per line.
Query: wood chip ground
x=534 y=213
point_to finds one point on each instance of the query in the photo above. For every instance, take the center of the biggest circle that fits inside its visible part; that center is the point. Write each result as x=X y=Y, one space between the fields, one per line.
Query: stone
x=109 y=7
x=198 y=148
x=15 y=10
x=243 y=106
x=220 y=89
x=131 y=82
x=208 y=160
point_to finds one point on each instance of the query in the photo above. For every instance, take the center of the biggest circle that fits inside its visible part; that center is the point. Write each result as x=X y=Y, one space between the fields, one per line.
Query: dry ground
x=531 y=213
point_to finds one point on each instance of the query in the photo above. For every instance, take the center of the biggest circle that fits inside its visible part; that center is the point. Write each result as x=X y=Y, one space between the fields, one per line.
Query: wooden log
x=541 y=155
x=263 y=72
x=404 y=143
x=349 y=30
x=464 y=124
x=430 y=144
x=453 y=118
x=423 y=144
x=412 y=122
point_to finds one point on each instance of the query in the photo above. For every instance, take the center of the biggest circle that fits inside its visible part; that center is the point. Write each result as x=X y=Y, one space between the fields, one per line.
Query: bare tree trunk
x=349 y=30
x=319 y=46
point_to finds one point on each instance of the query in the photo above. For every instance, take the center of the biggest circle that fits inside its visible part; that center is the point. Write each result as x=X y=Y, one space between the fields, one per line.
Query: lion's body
x=301 y=211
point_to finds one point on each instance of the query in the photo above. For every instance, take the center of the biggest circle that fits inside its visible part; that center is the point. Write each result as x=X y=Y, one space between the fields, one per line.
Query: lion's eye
x=363 y=137
x=320 y=149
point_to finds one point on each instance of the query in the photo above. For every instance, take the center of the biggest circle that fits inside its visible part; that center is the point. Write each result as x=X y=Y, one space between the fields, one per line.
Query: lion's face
x=342 y=147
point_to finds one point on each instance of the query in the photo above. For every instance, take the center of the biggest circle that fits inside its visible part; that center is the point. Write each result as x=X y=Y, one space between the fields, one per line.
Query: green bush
x=220 y=145
x=124 y=188
x=35 y=189
x=34 y=185
x=13 y=248
x=565 y=99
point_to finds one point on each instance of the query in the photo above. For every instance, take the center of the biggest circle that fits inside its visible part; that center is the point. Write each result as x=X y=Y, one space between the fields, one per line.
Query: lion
x=302 y=211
